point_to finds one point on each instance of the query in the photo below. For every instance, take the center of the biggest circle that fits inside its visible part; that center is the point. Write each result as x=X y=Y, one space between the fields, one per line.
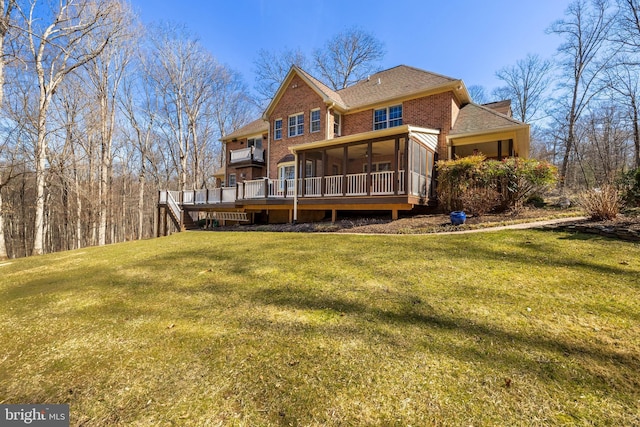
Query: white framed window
x=255 y=142
x=337 y=124
x=310 y=168
x=285 y=171
x=387 y=117
x=232 y=180
x=315 y=120
x=296 y=124
x=277 y=129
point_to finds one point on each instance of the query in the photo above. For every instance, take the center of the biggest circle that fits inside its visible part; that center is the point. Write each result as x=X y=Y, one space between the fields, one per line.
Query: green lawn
x=201 y=328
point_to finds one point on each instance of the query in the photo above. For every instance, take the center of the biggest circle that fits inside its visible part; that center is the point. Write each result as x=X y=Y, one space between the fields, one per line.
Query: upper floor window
x=337 y=124
x=232 y=180
x=296 y=124
x=387 y=117
x=277 y=129
x=255 y=142
x=315 y=120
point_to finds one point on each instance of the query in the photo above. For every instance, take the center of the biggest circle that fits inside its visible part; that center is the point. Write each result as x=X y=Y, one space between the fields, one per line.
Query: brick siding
x=297 y=98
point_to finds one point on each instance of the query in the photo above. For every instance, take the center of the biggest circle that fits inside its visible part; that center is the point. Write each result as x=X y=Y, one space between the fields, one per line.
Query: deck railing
x=173 y=205
x=247 y=154
x=358 y=184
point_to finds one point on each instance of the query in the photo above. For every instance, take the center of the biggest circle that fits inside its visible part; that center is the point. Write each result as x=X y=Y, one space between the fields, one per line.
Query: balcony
x=247 y=156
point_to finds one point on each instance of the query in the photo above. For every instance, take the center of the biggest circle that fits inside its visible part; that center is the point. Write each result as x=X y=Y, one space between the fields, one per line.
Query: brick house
x=369 y=147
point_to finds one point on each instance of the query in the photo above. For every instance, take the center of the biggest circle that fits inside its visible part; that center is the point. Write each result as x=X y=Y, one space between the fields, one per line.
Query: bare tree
x=623 y=82
x=271 y=68
x=140 y=108
x=232 y=106
x=606 y=146
x=478 y=94
x=348 y=57
x=584 y=30
x=623 y=78
x=173 y=53
x=628 y=25
x=105 y=73
x=6 y=9
x=55 y=52
x=527 y=83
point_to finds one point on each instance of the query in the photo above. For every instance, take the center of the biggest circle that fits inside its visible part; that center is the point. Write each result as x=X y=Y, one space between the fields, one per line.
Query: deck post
x=166 y=222
x=369 y=166
x=334 y=215
x=156 y=222
x=296 y=176
x=266 y=188
x=394 y=214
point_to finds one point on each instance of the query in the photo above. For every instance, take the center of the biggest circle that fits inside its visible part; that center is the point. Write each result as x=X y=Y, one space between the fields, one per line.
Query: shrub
x=629 y=184
x=454 y=177
x=601 y=203
x=480 y=200
x=521 y=178
x=535 y=200
x=516 y=179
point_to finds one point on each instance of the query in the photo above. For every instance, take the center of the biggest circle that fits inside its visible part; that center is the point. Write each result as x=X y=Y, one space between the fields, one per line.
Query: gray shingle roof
x=392 y=83
x=256 y=126
x=503 y=106
x=478 y=118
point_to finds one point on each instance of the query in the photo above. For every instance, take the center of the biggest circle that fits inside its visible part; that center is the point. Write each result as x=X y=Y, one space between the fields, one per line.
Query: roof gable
x=328 y=95
x=478 y=118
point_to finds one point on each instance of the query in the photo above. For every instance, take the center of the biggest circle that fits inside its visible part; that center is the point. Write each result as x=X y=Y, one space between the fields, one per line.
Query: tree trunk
x=3 y=246
x=40 y=160
x=636 y=132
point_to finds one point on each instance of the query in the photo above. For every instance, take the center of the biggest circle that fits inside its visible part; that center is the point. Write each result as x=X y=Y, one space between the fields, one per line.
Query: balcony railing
x=249 y=154
x=359 y=184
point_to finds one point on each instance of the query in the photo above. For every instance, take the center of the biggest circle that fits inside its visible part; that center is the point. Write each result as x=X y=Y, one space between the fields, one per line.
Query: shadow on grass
x=464 y=339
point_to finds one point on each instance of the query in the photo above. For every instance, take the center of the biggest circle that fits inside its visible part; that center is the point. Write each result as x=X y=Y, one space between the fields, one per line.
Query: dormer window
x=296 y=124
x=387 y=117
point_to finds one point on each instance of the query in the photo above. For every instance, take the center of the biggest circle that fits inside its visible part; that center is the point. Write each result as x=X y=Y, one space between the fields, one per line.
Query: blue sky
x=467 y=39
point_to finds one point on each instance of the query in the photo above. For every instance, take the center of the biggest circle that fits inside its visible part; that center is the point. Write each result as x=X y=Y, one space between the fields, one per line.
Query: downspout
x=329 y=108
x=268 y=158
x=295 y=187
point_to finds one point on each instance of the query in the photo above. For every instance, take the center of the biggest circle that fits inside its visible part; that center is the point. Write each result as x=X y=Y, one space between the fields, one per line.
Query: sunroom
x=384 y=165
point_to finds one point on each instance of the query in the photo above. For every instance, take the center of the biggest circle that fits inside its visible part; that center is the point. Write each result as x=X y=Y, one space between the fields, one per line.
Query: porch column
x=408 y=150
x=396 y=170
x=499 y=150
x=370 y=164
x=296 y=174
x=303 y=174
x=323 y=184
x=345 y=163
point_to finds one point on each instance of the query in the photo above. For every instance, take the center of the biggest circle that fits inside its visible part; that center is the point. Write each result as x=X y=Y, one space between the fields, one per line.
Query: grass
x=506 y=328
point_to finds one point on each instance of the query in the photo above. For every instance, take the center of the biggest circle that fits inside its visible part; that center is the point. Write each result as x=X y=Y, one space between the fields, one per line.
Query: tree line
x=583 y=102
x=97 y=111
